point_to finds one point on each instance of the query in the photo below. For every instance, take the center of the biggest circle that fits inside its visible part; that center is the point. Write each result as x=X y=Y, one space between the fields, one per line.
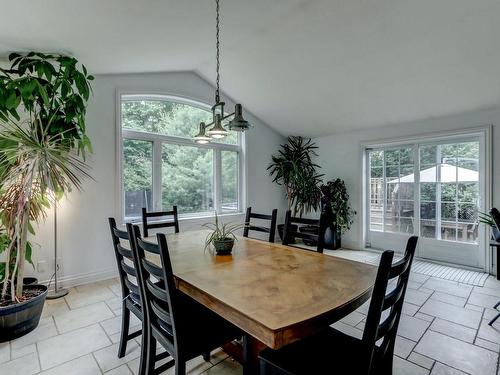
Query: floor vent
x=457 y=274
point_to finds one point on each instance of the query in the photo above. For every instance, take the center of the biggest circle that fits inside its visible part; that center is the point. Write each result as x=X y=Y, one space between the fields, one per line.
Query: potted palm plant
x=294 y=169
x=42 y=148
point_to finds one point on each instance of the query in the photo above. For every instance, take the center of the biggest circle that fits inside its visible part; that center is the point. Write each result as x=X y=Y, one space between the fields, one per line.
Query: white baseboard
x=85 y=278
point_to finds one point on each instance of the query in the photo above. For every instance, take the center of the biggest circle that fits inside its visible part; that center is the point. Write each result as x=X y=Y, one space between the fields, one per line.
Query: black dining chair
x=182 y=326
x=495 y=214
x=291 y=229
x=252 y=215
x=334 y=352
x=159 y=224
x=131 y=301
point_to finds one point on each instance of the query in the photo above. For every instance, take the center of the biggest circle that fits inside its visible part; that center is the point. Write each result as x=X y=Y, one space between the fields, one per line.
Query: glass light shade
x=218 y=130
x=238 y=123
x=201 y=137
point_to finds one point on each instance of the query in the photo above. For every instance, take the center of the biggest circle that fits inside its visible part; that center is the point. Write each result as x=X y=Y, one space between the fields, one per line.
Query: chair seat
x=202 y=330
x=329 y=352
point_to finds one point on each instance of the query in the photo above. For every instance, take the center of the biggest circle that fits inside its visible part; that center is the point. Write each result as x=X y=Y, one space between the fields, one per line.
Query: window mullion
x=416 y=190
x=438 y=192
x=384 y=180
x=157 y=172
x=218 y=180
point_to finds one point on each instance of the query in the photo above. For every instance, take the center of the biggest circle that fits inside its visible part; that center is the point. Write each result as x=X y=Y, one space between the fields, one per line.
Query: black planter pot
x=333 y=239
x=224 y=247
x=309 y=229
x=294 y=227
x=30 y=280
x=19 y=319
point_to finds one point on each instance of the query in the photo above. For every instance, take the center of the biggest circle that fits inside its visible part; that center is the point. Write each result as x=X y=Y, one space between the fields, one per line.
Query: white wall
x=84 y=239
x=340 y=155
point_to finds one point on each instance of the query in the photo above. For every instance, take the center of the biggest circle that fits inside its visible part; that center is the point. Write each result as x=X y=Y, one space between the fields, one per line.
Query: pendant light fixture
x=201 y=137
x=215 y=129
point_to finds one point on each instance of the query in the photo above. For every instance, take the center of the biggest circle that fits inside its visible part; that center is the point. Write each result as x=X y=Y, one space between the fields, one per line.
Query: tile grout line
x=38 y=356
x=97 y=362
x=60 y=364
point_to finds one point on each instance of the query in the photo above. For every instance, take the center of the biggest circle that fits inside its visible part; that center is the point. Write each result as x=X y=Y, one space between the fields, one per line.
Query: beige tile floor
x=443 y=331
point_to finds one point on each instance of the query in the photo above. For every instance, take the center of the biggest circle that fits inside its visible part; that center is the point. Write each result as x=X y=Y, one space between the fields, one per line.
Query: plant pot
x=333 y=239
x=291 y=239
x=495 y=233
x=30 y=280
x=224 y=247
x=309 y=229
x=19 y=319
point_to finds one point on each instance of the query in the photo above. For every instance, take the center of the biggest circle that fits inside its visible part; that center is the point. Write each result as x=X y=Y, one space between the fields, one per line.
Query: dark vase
x=291 y=239
x=495 y=232
x=333 y=239
x=224 y=247
x=21 y=318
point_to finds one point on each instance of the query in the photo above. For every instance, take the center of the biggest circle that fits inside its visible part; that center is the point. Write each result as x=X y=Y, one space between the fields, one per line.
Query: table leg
x=251 y=349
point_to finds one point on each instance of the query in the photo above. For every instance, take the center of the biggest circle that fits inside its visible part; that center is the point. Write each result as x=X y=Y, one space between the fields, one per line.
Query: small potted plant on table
x=222 y=236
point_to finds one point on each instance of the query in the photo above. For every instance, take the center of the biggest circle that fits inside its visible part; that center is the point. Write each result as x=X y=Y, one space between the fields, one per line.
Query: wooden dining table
x=276 y=294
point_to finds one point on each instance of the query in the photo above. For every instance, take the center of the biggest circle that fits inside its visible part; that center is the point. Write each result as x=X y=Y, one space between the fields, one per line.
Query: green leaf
x=43 y=94
x=11 y=100
x=28 y=254
x=13 y=56
x=31 y=230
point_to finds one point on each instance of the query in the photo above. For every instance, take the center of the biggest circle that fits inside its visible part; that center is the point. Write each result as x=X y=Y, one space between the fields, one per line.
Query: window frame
x=158 y=140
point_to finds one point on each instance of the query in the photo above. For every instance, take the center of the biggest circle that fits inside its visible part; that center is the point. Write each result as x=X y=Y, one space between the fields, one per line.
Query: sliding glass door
x=431 y=189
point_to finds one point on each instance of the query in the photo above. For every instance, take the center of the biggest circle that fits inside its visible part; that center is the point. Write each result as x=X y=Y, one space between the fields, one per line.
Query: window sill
x=209 y=216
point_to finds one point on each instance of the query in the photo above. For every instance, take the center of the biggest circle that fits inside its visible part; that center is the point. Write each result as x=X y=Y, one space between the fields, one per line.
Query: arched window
x=161 y=166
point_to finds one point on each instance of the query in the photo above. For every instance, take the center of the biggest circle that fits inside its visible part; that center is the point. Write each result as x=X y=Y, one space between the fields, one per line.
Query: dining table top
x=276 y=293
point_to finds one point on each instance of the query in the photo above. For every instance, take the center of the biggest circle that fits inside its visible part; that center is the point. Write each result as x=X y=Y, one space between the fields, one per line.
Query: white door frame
x=483 y=134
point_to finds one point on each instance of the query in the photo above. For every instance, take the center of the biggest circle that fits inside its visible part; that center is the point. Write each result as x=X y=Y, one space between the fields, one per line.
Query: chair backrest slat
x=128 y=269
x=162 y=314
x=393 y=296
x=124 y=252
x=387 y=325
x=392 y=302
x=132 y=287
x=152 y=269
x=160 y=297
x=162 y=224
x=399 y=267
x=156 y=290
x=252 y=215
x=258 y=229
x=126 y=272
x=289 y=232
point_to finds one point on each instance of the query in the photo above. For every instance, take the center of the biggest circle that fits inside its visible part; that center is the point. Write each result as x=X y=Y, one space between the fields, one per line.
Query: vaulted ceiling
x=308 y=67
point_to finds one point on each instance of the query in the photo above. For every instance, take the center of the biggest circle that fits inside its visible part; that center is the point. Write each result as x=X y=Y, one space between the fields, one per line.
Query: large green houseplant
x=43 y=143
x=293 y=168
x=336 y=198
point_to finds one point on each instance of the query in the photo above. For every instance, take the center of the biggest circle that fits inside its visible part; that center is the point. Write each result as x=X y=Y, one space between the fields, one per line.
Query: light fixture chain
x=217 y=28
